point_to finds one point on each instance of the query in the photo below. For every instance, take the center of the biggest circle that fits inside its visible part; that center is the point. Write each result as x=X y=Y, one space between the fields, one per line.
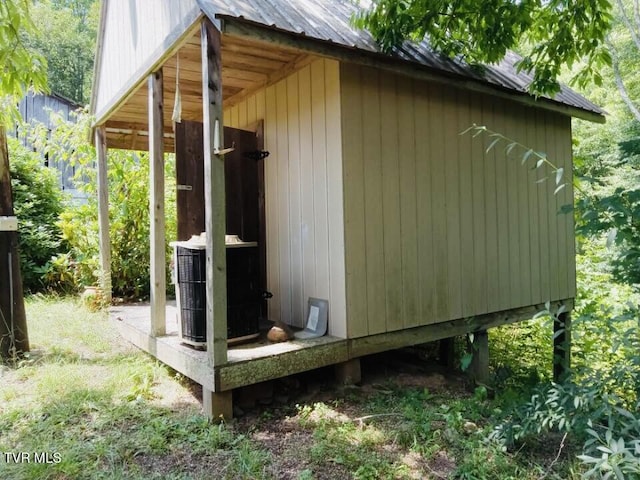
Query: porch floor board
x=247 y=363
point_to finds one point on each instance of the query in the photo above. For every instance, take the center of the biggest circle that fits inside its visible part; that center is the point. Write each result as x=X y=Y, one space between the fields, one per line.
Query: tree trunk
x=13 y=321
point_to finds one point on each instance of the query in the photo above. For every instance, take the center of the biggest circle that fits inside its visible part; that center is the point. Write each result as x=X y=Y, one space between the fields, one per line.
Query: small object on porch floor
x=280 y=332
x=316 y=319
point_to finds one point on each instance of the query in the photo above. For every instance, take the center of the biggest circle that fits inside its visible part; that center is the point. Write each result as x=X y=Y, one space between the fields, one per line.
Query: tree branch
x=627 y=21
x=636 y=12
x=555 y=460
x=620 y=82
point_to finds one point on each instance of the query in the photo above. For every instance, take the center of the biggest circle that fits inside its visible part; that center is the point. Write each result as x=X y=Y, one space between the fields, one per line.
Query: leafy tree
x=22 y=68
x=66 y=35
x=128 y=181
x=607 y=157
x=551 y=34
x=624 y=43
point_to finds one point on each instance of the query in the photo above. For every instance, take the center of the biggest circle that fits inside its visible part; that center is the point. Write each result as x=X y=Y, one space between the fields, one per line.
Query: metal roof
x=329 y=21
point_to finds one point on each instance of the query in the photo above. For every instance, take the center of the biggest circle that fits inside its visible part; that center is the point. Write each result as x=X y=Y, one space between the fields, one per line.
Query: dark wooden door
x=241 y=183
x=244 y=185
x=242 y=177
x=189 y=179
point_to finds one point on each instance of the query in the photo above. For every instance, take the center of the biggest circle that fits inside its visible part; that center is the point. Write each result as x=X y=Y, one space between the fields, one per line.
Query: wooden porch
x=260 y=360
x=247 y=363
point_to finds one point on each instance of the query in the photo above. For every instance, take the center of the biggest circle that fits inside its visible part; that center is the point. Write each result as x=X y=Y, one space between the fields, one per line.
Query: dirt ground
x=269 y=414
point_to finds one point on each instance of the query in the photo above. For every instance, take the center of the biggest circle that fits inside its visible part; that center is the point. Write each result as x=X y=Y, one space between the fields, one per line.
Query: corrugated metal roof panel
x=329 y=20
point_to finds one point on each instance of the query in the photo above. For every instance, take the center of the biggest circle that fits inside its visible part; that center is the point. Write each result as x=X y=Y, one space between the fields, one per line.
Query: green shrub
x=597 y=406
x=38 y=201
x=128 y=181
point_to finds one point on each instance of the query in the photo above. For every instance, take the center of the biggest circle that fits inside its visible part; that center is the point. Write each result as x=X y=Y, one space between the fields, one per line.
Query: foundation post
x=446 y=355
x=480 y=362
x=348 y=373
x=561 y=346
x=217 y=405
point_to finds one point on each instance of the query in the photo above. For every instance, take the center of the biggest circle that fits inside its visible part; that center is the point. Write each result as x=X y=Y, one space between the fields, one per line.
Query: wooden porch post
x=214 y=194
x=103 y=214
x=156 y=205
x=215 y=404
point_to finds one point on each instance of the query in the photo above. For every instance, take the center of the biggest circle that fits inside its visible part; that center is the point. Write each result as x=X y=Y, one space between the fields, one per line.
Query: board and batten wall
x=436 y=227
x=136 y=33
x=303 y=189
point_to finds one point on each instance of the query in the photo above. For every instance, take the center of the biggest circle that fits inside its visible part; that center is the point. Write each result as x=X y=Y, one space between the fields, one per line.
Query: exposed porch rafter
x=246 y=67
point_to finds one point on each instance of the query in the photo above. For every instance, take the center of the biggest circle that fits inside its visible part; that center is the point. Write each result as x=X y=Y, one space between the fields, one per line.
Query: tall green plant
x=38 y=202
x=128 y=182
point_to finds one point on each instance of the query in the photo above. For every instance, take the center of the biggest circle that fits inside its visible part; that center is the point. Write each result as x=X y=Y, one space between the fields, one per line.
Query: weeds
x=88 y=402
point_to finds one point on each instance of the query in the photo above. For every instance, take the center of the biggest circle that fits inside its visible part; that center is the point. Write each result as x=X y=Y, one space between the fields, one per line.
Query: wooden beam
x=359 y=347
x=279 y=360
x=188 y=361
x=242 y=28
x=156 y=204
x=214 y=194
x=103 y=213
x=140 y=128
x=126 y=141
x=296 y=64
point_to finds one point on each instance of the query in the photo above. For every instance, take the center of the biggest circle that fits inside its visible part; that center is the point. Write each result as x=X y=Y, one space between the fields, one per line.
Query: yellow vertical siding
x=425 y=215
x=461 y=231
x=390 y=203
x=490 y=202
x=304 y=190
x=483 y=220
x=372 y=179
x=408 y=204
x=436 y=129
x=354 y=197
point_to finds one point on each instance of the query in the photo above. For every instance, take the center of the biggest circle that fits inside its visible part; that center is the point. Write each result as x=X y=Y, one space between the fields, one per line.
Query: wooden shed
x=370 y=197
x=37 y=108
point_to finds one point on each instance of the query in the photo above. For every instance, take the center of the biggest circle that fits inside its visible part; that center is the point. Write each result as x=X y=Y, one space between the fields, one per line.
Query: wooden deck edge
x=234 y=375
x=255 y=370
x=382 y=342
x=176 y=358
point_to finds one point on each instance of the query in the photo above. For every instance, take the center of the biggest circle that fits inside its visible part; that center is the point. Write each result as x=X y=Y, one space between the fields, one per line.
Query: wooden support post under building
x=156 y=205
x=103 y=213
x=217 y=405
x=348 y=373
x=480 y=361
x=214 y=195
x=561 y=346
x=447 y=352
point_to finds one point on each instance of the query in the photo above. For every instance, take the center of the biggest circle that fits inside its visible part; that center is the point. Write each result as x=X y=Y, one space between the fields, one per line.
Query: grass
x=94 y=404
x=102 y=409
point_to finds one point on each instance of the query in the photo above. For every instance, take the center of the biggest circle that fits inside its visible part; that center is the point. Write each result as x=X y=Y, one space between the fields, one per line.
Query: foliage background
x=38 y=204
